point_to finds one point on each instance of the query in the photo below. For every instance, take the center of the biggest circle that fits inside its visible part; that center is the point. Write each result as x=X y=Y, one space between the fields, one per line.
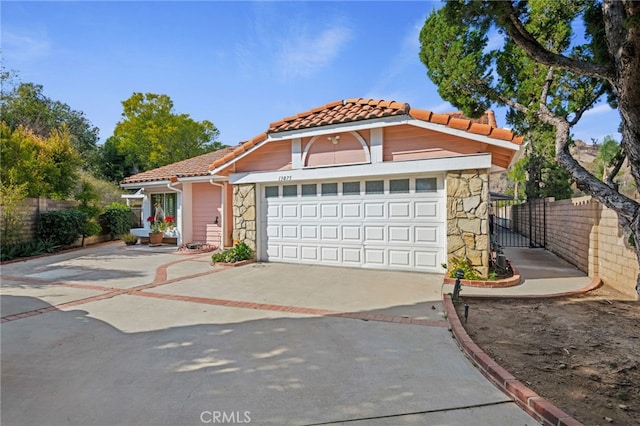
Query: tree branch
x=527 y=42
x=587 y=106
x=617 y=163
x=546 y=87
x=498 y=97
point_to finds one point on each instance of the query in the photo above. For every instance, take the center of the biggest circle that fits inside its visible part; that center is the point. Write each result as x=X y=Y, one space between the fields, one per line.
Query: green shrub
x=238 y=253
x=12 y=220
x=62 y=227
x=465 y=265
x=117 y=219
x=91 y=228
x=129 y=239
x=27 y=249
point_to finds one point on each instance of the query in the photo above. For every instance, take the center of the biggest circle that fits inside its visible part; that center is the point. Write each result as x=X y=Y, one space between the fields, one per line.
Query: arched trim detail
x=355 y=134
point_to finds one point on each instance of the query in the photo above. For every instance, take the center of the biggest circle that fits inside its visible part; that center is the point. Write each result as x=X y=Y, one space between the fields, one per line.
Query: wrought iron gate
x=514 y=223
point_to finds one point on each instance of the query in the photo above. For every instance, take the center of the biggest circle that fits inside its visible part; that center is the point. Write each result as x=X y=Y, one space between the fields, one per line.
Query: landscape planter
x=155 y=239
x=242 y=262
x=505 y=282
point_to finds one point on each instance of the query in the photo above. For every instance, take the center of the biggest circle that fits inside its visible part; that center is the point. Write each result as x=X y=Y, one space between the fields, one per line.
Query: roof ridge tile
x=440 y=118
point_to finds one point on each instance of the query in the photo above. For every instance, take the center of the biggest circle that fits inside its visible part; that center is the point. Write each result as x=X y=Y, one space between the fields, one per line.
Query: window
x=290 y=191
x=271 y=191
x=399 y=186
x=351 y=188
x=426 y=184
x=309 y=190
x=329 y=189
x=374 y=187
x=165 y=204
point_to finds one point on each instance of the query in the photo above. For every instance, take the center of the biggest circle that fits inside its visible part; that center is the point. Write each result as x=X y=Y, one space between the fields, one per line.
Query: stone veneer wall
x=468 y=218
x=244 y=214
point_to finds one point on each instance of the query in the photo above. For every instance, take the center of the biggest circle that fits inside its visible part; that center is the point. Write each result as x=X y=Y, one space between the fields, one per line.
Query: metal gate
x=514 y=223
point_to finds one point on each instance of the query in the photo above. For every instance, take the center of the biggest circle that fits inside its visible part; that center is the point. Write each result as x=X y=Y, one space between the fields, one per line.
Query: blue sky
x=239 y=64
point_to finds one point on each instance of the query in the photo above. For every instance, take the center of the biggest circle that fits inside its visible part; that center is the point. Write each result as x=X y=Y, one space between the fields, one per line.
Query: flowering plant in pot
x=157 y=228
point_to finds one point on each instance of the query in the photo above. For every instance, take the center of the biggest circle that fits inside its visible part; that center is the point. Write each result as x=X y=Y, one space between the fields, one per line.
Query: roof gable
x=359 y=109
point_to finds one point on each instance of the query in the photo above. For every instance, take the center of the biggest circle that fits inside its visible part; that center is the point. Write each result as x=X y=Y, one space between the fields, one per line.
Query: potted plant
x=130 y=239
x=157 y=228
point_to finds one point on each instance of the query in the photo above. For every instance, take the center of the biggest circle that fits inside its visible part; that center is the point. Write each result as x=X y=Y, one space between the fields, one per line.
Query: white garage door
x=396 y=223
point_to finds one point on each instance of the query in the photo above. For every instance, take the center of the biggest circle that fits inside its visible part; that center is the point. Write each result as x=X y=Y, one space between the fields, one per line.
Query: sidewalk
x=543 y=274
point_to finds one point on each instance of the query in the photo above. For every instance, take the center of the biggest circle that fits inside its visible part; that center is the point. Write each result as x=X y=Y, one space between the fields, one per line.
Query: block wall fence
x=32 y=207
x=587 y=234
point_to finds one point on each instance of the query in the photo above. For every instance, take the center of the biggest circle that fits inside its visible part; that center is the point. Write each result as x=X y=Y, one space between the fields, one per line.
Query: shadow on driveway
x=66 y=367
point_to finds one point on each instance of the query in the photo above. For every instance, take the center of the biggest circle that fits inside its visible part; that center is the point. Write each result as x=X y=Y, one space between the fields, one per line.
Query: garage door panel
x=329 y=254
x=351 y=233
x=374 y=256
x=273 y=251
x=400 y=258
x=426 y=259
x=329 y=211
x=289 y=252
x=309 y=211
x=399 y=234
x=426 y=234
x=273 y=231
x=373 y=210
x=351 y=211
x=399 y=210
x=273 y=211
x=290 y=211
x=352 y=256
x=426 y=209
x=309 y=232
x=289 y=231
x=374 y=233
x=309 y=253
x=329 y=232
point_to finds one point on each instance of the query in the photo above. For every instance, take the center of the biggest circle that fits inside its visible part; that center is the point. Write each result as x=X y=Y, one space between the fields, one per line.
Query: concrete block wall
x=570 y=228
x=32 y=207
x=614 y=260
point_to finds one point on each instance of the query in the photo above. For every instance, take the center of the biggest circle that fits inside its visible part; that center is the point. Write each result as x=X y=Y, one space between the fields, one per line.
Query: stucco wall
x=467 y=218
x=205 y=211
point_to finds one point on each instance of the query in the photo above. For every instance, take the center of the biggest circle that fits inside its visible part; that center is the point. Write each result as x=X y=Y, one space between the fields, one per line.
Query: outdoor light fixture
x=458 y=285
x=334 y=139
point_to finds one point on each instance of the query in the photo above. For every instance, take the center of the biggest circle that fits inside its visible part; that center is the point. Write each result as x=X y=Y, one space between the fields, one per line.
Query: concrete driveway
x=117 y=336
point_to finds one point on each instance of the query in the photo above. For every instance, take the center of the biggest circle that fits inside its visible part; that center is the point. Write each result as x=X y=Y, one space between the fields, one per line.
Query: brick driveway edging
x=538 y=407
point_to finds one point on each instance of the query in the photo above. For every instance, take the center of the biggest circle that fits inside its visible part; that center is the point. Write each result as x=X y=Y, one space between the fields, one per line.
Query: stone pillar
x=468 y=218
x=244 y=214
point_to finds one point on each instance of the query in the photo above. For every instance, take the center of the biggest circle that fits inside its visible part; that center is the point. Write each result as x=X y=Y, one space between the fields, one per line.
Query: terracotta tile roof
x=196 y=166
x=358 y=109
x=350 y=110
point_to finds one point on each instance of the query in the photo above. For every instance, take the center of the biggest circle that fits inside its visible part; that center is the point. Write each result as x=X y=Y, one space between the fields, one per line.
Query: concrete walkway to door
x=109 y=335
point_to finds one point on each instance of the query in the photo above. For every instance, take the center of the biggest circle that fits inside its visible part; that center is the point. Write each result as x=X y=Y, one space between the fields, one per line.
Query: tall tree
x=25 y=105
x=545 y=73
x=152 y=135
x=43 y=166
x=608 y=153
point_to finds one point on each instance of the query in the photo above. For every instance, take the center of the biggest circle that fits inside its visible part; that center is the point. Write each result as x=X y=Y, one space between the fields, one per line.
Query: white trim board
x=433 y=165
